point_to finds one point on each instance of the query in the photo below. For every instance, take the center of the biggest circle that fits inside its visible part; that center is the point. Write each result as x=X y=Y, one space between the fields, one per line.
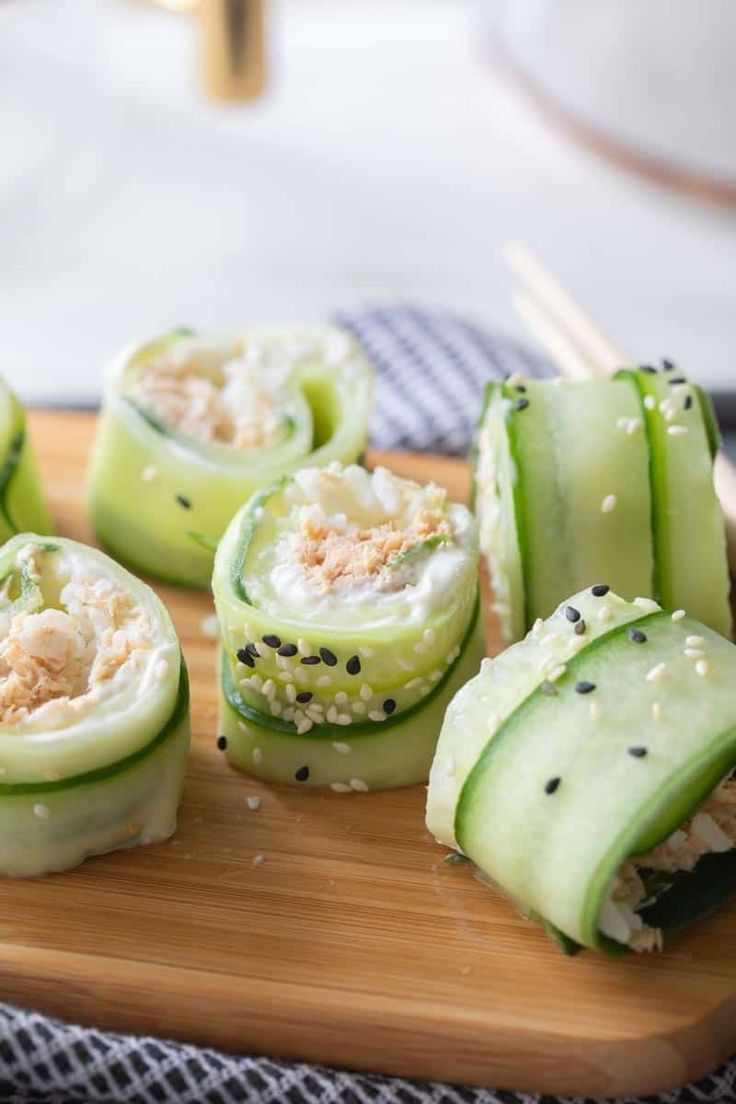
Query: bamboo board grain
x=352 y=944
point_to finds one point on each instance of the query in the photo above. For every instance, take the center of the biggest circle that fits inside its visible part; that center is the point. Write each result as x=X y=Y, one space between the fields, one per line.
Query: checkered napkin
x=431 y=369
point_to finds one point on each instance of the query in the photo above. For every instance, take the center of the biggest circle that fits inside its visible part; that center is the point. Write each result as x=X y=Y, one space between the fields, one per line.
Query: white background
x=387 y=161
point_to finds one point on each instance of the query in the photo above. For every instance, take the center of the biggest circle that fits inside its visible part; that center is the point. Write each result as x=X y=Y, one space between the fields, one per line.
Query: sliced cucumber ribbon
x=94 y=707
x=578 y=480
x=191 y=427
x=577 y=764
x=379 y=634
x=21 y=501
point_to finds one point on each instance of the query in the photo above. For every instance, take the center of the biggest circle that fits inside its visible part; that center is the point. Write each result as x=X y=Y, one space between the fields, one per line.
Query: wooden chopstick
x=581 y=350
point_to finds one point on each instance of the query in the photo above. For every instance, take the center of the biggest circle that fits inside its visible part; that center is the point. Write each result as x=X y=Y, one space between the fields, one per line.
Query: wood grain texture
x=352 y=944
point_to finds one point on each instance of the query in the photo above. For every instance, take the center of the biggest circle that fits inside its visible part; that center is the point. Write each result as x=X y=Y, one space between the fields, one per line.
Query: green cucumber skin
x=687 y=521
x=22 y=508
x=145 y=525
x=390 y=754
x=130 y=803
x=558 y=852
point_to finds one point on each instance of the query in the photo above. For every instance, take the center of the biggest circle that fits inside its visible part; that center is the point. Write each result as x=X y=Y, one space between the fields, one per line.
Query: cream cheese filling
x=89 y=643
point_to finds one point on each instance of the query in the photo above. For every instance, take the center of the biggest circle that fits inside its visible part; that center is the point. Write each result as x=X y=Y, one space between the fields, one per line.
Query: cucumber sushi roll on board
x=192 y=426
x=21 y=500
x=94 y=708
x=587 y=772
x=581 y=480
x=348 y=610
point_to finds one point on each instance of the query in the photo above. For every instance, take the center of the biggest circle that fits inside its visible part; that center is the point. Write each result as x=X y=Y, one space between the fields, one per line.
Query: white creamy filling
x=368 y=541
x=57 y=664
x=712 y=829
x=234 y=396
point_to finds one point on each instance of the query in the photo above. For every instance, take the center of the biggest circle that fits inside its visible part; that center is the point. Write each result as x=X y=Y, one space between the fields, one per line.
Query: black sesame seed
x=271 y=640
x=311 y=660
x=648 y=368
x=521 y=388
x=584 y=687
x=455 y=857
x=580 y=627
x=388 y=706
x=328 y=657
x=245 y=657
x=637 y=636
x=353 y=665
x=638 y=752
x=521 y=404
x=304 y=696
x=302 y=774
x=222 y=742
x=253 y=651
x=572 y=614
x=184 y=501
x=287 y=650
x=552 y=785
x=599 y=590
x=687 y=402
x=668 y=365
x=548 y=688
x=674 y=380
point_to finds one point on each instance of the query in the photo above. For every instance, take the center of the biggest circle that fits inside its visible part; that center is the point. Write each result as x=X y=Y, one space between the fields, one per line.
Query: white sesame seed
x=647 y=604
x=244 y=728
x=365 y=692
x=677 y=430
x=332 y=714
x=678 y=615
x=405 y=664
x=257 y=755
x=694 y=641
x=316 y=712
x=595 y=710
x=702 y=667
x=290 y=691
x=258 y=859
x=428 y=637
x=269 y=689
x=516 y=379
x=276 y=708
x=341 y=697
x=657 y=673
x=341 y=787
x=634 y=425
x=343 y=719
x=210 y=627
x=344 y=749
x=413 y=684
x=359 y=785
x=424 y=690
x=656 y=712
x=450 y=766
x=622 y=423
x=149 y=473
x=453 y=654
x=605 y=613
x=435 y=676
x=253 y=802
x=609 y=503
x=304 y=647
x=288 y=714
x=256 y=682
x=376 y=715
x=303 y=725
x=650 y=402
x=549 y=639
x=300 y=675
x=556 y=672
x=694 y=653
x=41 y=811
x=324 y=681
x=367 y=653
x=420 y=648
x=358 y=707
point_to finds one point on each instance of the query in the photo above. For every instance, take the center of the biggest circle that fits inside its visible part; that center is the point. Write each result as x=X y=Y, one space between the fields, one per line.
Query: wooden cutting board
x=352 y=943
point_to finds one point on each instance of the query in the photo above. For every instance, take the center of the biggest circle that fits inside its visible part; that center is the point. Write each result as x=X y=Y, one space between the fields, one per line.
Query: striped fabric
x=431 y=370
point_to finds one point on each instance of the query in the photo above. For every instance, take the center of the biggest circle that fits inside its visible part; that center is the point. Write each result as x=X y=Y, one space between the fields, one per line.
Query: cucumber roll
x=587 y=771
x=192 y=426
x=94 y=708
x=21 y=502
x=348 y=610
x=579 y=480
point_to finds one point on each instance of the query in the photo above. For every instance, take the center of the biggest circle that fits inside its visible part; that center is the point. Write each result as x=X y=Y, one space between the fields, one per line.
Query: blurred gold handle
x=232 y=48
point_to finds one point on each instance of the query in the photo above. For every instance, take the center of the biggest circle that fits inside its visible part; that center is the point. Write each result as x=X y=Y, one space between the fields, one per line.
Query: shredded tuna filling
x=70 y=655
x=235 y=408
x=711 y=829
x=330 y=556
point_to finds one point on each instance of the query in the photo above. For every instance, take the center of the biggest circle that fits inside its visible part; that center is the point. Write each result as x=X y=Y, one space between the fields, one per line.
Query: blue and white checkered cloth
x=431 y=370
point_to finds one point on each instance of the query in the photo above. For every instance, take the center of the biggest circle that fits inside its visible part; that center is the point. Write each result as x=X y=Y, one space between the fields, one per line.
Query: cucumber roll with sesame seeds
x=578 y=480
x=348 y=611
x=94 y=708
x=587 y=772
x=21 y=501
x=192 y=426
